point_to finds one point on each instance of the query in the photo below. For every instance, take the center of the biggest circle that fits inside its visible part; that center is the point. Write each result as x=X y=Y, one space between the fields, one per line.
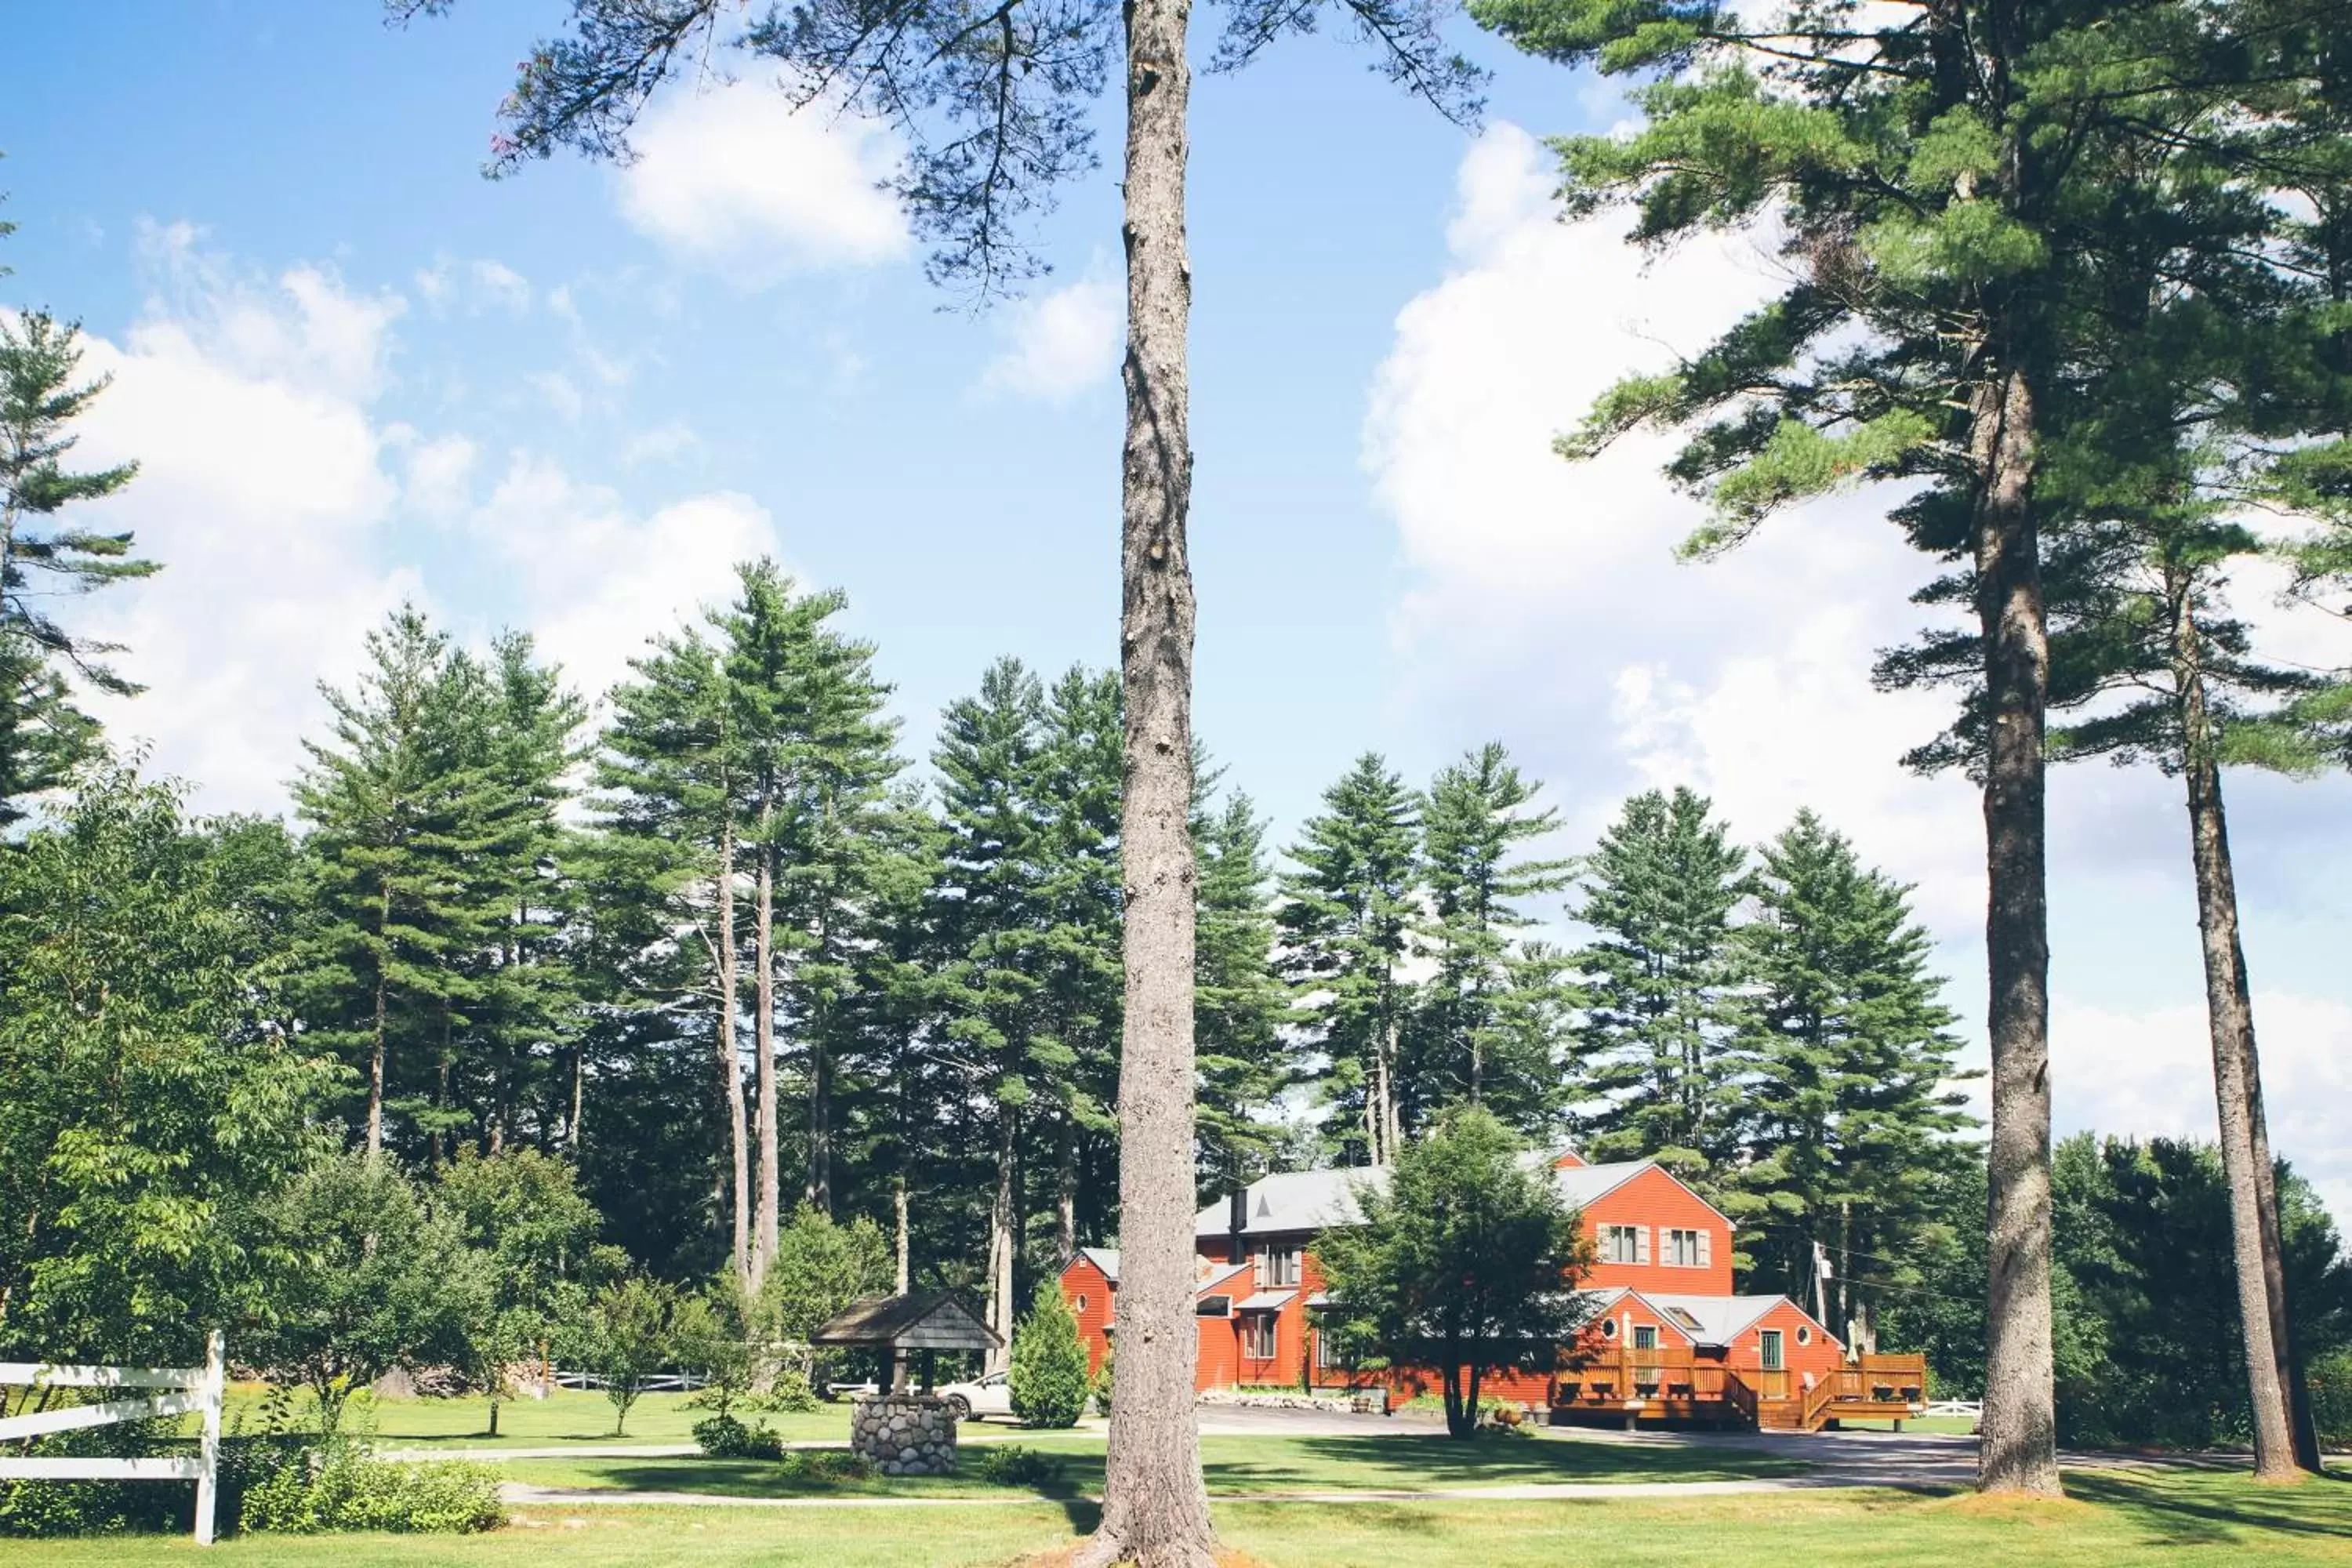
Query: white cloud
x=733 y=180
x=1061 y=344
x=304 y=331
x=502 y=285
x=663 y=443
x=2151 y=1072
x=1545 y=606
x=562 y=393
x=261 y=482
x=596 y=580
x=1546 y=603
x=440 y=474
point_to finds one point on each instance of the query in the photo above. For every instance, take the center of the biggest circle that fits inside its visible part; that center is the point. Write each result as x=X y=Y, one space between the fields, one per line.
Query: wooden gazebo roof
x=926 y=1320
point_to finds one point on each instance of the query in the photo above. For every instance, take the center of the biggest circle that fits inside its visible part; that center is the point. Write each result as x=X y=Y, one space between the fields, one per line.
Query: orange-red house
x=1664 y=1336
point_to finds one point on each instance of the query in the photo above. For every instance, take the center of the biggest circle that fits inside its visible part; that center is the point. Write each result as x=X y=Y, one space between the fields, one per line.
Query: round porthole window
x=1082 y=1306
x=1609 y=1328
x=1804 y=1336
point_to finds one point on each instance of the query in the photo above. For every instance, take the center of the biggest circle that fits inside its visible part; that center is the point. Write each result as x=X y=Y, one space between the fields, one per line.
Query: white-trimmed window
x=1276 y=1266
x=1646 y=1336
x=1689 y=1249
x=1260 y=1335
x=1608 y=1328
x=1081 y=1304
x=1327 y=1350
x=1625 y=1244
x=1804 y=1335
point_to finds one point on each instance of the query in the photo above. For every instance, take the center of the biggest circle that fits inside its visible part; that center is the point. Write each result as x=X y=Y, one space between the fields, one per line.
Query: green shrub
x=344 y=1486
x=826 y=1466
x=1102 y=1387
x=725 y=1438
x=1011 y=1465
x=790 y=1395
x=2330 y=1382
x=1049 y=1382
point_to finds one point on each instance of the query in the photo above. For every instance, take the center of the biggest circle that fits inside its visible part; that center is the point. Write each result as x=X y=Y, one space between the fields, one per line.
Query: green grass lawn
x=564 y=1417
x=1956 y=1426
x=2182 y=1520
x=1232 y=1465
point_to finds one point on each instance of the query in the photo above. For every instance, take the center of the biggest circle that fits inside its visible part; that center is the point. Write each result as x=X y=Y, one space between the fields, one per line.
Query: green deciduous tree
x=627 y=1338
x=151 y=1111
x=378 y=1276
x=1467 y=1259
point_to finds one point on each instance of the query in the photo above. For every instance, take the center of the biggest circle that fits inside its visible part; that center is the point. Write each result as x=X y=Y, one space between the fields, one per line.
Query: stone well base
x=905 y=1434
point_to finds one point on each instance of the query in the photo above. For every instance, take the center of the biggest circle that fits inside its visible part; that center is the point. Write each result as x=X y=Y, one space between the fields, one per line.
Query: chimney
x=1236 y=1221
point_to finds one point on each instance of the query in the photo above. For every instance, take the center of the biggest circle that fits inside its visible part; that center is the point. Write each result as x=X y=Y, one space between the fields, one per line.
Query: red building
x=1665 y=1336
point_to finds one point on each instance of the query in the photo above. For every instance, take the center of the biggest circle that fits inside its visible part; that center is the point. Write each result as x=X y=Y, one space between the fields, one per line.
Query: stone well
x=905 y=1434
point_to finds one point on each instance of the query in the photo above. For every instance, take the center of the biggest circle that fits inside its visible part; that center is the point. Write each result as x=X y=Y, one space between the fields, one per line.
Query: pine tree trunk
x=1155 y=1507
x=375 y=1075
x=904 y=1238
x=1065 y=1193
x=1002 y=1232
x=768 y=1222
x=579 y=1098
x=2303 y=1420
x=2019 y=1450
x=730 y=1065
x=820 y=1161
x=2228 y=1007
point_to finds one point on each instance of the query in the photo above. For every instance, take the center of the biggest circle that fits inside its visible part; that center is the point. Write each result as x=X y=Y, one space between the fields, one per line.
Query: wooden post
x=208 y=1457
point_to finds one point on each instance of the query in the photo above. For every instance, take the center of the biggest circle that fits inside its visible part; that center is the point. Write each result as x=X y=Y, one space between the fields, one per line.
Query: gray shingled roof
x=929 y=1319
x=1293 y=1201
x=1103 y=1258
x=1721 y=1319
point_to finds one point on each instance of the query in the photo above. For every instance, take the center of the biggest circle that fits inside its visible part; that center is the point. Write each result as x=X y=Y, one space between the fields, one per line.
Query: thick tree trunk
x=768 y=1222
x=2019 y=1449
x=2228 y=1007
x=1155 y=1508
x=2303 y=1422
x=730 y=1063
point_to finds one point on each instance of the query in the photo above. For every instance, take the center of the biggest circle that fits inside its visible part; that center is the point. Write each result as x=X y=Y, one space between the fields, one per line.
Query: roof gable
x=1301 y=1202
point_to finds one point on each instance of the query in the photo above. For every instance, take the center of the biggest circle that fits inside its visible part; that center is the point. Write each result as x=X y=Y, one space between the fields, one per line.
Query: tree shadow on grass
x=1387 y=1463
x=2205 y=1508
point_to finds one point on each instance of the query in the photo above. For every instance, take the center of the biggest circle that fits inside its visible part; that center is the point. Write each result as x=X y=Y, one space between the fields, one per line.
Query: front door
x=1770 y=1342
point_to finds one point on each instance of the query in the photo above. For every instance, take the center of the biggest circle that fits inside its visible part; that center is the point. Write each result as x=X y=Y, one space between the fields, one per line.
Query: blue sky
x=357 y=371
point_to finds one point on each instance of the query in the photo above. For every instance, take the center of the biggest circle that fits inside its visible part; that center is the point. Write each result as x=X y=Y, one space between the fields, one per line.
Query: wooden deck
x=1686 y=1389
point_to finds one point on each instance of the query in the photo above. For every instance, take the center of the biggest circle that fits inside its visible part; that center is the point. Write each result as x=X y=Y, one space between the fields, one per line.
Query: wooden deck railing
x=1884 y=1380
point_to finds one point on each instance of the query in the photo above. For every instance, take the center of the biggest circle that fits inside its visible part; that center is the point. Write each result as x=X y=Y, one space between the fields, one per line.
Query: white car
x=990 y=1395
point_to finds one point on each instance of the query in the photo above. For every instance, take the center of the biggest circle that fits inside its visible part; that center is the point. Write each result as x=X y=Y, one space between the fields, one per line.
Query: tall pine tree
x=1660 y=1040
x=1850 y=1133
x=1482 y=1034
x=1348 y=917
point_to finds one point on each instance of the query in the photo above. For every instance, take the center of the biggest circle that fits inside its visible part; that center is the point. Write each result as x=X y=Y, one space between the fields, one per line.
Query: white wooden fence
x=178 y=1389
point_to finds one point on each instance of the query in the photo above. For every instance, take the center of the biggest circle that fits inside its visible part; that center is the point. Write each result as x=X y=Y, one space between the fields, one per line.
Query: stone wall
x=905 y=1434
